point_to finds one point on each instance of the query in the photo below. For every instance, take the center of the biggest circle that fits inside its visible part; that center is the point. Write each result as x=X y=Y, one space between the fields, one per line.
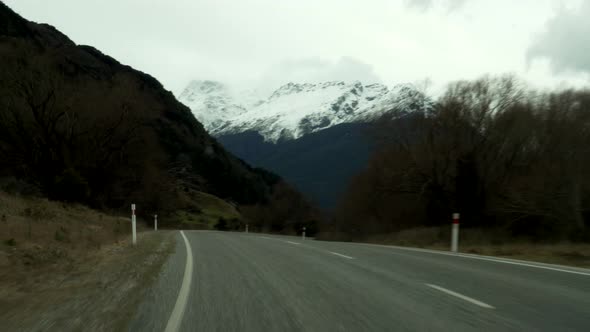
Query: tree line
x=504 y=156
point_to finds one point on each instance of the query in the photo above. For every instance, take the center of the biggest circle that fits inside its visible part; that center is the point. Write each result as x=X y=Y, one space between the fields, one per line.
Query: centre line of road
x=178 y=311
x=462 y=297
x=292 y=242
x=337 y=254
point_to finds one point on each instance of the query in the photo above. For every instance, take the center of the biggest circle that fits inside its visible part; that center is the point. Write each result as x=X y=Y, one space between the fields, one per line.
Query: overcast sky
x=270 y=42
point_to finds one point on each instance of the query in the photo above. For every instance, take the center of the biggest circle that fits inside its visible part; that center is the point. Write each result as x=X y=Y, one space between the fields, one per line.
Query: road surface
x=254 y=282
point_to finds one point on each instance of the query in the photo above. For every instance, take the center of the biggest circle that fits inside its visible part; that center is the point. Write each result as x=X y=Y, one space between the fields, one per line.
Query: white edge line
x=484 y=258
x=292 y=242
x=178 y=311
x=266 y=237
x=463 y=297
x=337 y=254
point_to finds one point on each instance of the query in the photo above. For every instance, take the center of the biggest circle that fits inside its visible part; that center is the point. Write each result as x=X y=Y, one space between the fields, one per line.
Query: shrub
x=71 y=186
x=13 y=186
x=62 y=235
x=39 y=210
x=221 y=224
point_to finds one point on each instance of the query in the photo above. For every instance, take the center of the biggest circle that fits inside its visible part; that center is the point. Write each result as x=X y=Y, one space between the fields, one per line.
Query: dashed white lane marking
x=292 y=242
x=337 y=254
x=178 y=311
x=462 y=297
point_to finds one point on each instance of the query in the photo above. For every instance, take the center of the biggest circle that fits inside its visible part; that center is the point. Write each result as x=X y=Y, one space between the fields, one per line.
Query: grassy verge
x=480 y=242
x=40 y=225
x=207 y=212
x=70 y=268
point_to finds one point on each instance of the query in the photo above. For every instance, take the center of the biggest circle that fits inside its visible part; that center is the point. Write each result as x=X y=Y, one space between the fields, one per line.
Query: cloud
x=425 y=5
x=315 y=70
x=565 y=42
x=453 y=5
x=421 y=5
x=236 y=42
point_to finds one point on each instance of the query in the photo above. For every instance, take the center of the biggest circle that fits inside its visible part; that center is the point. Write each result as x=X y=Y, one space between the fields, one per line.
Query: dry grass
x=574 y=254
x=207 y=212
x=100 y=293
x=36 y=234
x=60 y=262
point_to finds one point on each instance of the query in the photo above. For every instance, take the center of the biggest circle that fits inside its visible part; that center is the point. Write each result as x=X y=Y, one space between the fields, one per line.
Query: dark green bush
x=62 y=235
x=221 y=224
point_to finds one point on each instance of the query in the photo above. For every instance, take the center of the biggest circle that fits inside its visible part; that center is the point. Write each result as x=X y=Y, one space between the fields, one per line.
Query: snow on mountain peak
x=214 y=103
x=295 y=109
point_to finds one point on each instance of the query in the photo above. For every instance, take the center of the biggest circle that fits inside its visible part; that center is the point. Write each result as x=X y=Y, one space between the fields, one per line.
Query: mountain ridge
x=315 y=135
x=319 y=164
x=296 y=109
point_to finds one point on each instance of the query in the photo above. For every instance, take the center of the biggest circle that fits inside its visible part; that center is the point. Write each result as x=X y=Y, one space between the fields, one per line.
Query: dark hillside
x=77 y=125
x=319 y=164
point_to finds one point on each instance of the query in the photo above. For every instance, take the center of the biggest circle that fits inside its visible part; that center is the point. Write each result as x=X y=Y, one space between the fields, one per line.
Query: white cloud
x=315 y=70
x=565 y=41
x=424 y=5
x=240 y=41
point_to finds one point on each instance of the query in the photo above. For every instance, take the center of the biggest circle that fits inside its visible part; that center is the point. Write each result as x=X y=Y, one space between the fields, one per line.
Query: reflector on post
x=455 y=233
x=133 y=228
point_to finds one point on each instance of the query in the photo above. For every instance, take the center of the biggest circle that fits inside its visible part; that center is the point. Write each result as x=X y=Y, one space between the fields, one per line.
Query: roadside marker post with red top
x=455 y=233
x=133 y=228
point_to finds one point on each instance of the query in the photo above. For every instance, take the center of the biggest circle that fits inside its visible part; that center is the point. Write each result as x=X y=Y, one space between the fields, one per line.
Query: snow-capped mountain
x=294 y=110
x=303 y=132
x=214 y=103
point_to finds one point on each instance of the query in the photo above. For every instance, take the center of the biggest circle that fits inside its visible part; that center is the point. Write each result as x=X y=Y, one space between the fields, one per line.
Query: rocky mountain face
x=314 y=135
x=216 y=102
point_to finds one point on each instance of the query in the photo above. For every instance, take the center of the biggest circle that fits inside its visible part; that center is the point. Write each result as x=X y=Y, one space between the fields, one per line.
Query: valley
x=316 y=136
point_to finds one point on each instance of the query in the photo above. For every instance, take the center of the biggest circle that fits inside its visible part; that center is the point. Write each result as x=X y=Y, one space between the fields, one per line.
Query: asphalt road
x=253 y=282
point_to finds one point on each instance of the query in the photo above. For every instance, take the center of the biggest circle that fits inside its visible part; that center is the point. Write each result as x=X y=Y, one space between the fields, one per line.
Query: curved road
x=253 y=282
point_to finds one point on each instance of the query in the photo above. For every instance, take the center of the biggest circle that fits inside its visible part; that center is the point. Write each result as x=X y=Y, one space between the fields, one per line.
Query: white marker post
x=303 y=234
x=133 y=228
x=155 y=222
x=455 y=234
x=246 y=228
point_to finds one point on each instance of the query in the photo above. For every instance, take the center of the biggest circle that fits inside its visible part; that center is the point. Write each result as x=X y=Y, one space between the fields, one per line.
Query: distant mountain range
x=294 y=110
x=314 y=135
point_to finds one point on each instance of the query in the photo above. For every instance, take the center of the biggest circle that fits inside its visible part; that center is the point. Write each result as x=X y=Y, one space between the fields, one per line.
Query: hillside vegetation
x=514 y=162
x=209 y=212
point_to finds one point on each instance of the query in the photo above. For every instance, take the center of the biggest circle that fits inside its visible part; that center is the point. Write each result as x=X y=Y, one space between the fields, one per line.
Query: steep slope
x=318 y=164
x=77 y=125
